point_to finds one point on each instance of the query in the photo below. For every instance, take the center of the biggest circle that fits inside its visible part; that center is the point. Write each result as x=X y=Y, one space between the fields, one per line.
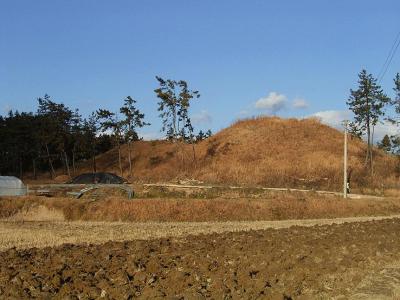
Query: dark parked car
x=100 y=177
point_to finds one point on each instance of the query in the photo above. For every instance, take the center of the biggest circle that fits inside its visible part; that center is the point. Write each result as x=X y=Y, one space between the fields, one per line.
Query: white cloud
x=299 y=103
x=274 y=102
x=335 y=118
x=386 y=128
x=149 y=136
x=243 y=113
x=6 y=108
x=202 y=117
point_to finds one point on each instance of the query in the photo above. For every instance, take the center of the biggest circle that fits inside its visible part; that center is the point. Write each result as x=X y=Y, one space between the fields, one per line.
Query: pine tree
x=367 y=104
x=175 y=99
x=200 y=136
x=55 y=130
x=110 y=121
x=385 y=144
x=396 y=100
x=395 y=139
x=133 y=120
x=90 y=129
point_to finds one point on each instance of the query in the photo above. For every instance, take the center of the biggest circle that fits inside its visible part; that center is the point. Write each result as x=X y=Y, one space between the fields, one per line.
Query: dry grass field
x=36 y=221
x=279 y=206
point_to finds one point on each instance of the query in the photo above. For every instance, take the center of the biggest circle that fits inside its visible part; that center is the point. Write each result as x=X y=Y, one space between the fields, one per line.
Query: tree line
x=56 y=136
x=372 y=106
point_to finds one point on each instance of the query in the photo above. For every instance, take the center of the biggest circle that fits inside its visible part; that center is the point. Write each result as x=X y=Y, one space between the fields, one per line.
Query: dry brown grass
x=224 y=210
x=288 y=206
x=48 y=234
x=262 y=151
x=288 y=152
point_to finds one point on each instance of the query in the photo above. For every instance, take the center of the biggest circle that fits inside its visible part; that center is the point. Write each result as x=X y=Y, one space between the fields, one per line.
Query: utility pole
x=345 y=124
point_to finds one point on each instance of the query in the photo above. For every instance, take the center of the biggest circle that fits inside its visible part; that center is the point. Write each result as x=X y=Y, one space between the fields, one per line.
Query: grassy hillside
x=260 y=151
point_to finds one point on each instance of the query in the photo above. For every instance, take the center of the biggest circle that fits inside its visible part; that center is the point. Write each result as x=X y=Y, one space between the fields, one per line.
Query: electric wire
x=389 y=57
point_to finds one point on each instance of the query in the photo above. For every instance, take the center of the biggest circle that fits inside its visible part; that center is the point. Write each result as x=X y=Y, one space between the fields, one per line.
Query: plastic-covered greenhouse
x=12 y=186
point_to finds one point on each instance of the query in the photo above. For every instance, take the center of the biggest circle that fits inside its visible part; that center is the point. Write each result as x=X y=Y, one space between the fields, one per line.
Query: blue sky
x=288 y=58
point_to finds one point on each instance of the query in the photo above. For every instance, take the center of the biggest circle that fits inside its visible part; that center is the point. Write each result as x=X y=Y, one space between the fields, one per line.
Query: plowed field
x=350 y=260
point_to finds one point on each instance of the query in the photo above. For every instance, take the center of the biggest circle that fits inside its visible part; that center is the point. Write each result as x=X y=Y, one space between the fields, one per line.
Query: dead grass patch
x=288 y=206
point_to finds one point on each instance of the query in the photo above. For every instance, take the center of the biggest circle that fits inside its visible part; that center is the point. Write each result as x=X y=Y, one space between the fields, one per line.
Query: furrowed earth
x=342 y=261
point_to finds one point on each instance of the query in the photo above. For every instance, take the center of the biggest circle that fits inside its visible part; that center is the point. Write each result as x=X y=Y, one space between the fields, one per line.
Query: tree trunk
x=73 y=162
x=372 y=145
x=130 y=158
x=368 y=156
x=194 y=152
x=94 y=166
x=62 y=157
x=67 y=164
x=119 y=159
x=182 y=150
x=94 y=163
x=34 y=168
x=174 y=123
x=52 y=172
x=193 y=148
x=20 y=169
x=94 y=159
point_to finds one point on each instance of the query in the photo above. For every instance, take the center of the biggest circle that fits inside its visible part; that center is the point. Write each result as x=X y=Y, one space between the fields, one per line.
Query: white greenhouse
x=12 y=186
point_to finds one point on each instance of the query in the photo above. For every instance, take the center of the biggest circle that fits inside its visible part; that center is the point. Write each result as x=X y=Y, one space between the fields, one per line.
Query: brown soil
x=335 y=261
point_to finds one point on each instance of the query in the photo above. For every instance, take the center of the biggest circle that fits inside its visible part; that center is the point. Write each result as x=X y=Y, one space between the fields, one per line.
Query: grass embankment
x=287 y=206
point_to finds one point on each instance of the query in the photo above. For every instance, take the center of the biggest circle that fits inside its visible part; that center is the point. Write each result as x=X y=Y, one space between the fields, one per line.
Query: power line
x=389 y=57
